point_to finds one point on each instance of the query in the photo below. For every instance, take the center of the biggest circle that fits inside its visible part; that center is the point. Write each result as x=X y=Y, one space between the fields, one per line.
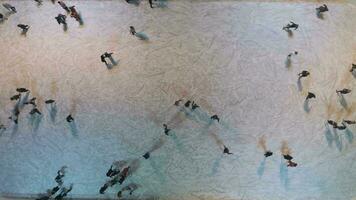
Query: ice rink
x=230 y=57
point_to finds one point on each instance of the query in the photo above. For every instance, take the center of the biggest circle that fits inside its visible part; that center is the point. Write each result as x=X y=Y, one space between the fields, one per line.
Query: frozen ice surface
x=228 y=56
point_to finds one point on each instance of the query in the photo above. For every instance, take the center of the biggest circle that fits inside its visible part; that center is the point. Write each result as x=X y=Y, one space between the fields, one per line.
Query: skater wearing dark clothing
x=69 y=119
x=166 y=129
x=64 y=192
x=102 y=58
x=290 y=25
x=349 y=122
x=20 y=90
x=342 y=127
x=9 y=7
x=131 y=188
x=31 y=101
x=353 y=68
x=60 y=175
x=226 y=150
x=124 y=174
x=343 y=91
x=215 y=117
x=176 y=103
x=61 y=19
x=194 y=105
x=290 y=55
x=304 y=73
x=24 y=27
x=187 y=104
x=15 y=97
x=151 y=3
x=74 y=13
x=103 y=188
x=132 y=30
x=310 y=96
x=107 y=55
x=332 y=123
x=54 y=190
x=112 y=172
x=291 y=164
x=146 y=155
x=50 y=101
x=288 y=157
x=268 y=154
x=35 y=110
x=64 y=6
x=322 y=8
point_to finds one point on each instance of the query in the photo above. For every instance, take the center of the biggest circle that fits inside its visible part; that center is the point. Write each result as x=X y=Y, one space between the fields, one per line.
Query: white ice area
x=228 y=56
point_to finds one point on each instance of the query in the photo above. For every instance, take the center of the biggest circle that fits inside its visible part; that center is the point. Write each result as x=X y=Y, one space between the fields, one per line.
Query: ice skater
x=39 y=2
x=69 y=118
x=287 y=157
x=139 y=35
x=35 y=110
x=64 y=192
x=15 y=97
x=268 y=153
x=146 y=155
x=60 y=175
x=54 y=190
x=2 y=18
x=102 y=58
x=64 y=6
x=31 y=101
x=215 y=117
x=226 y=151
x=9 y=7
x=176 y=103
x=332 y=123
x=24 y=28
x=107 y=55
x=50 y=101
x=304 y=73
x=342 y=127
x=166 y=129
x=290 y=26
x=130 y=188
x=322 y=9
x=353 y=68
x=343 y=91
x=61 y=19
x=349 y=122
x=291 y=54
x=21 y=90
x=74 y=14
x=291 y=164
x=194 y=105
x=123 y=175
x=310 y=96
x=112 y=172
x=187 y=104
x=151 y=3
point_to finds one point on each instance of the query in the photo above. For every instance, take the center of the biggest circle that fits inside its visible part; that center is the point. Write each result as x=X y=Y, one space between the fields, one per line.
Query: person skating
x=112 y=172
x=108 y=55
x=342 y=127
x=151 y=3
x=226 y=150
x=61 y=19
x=322 y=8
x=102 y=58
x=332 y=123
x=21 y=90
x=187 y=104
x=39 y=2
x=194 y=105
x=349 y=122
x=54 y=190
x=31 y=101
x=268 y=153
x=35 y=110
x=9 y=7
x=74 y=13
x=304 y=73
x=287 y=157
x=124 y=174
x=15 y=97
x=69 y=118
x=215 y=117
x=50 y=101
x=24 y=27
x=146 y=155
x=176 y=103
x=343 y=91
x=64 y=6
x=353 y=68
x=60 y=175
x=290 y=25
x=291 y=164
x=166 y=129
x=132 y=30
x=294 y=53
x=104 y=188
x=310 y=96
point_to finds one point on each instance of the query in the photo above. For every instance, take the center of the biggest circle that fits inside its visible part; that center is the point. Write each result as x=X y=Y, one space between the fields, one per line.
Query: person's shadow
x=299 y=84
x=73 y=128
x=342 y=101
x=261 y=168
x=53 y=112
x=113 y=63
x=319 y=15
x=306 y=106
x=288 y=62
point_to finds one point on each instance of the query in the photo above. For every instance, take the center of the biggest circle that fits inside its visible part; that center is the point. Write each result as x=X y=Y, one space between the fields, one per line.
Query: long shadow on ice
x=338 y=141
x=261 y=168
x=306 y=106
x=216 y=165
x=329 y=137
x=283 y=174
x=349 y=135
x=35 y=121
x=342 y=101
x=73 y=128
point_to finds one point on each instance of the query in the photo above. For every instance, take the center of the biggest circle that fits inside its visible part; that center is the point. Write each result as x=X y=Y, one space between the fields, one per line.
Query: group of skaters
x=60 y=190
x=138 y=2
x=117 y=174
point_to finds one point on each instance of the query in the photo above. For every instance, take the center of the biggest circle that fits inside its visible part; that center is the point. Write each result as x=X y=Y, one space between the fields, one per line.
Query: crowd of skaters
x=120 y=170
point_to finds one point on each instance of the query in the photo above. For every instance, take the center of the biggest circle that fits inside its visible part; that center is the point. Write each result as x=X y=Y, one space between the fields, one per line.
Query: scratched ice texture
x=227 y=56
